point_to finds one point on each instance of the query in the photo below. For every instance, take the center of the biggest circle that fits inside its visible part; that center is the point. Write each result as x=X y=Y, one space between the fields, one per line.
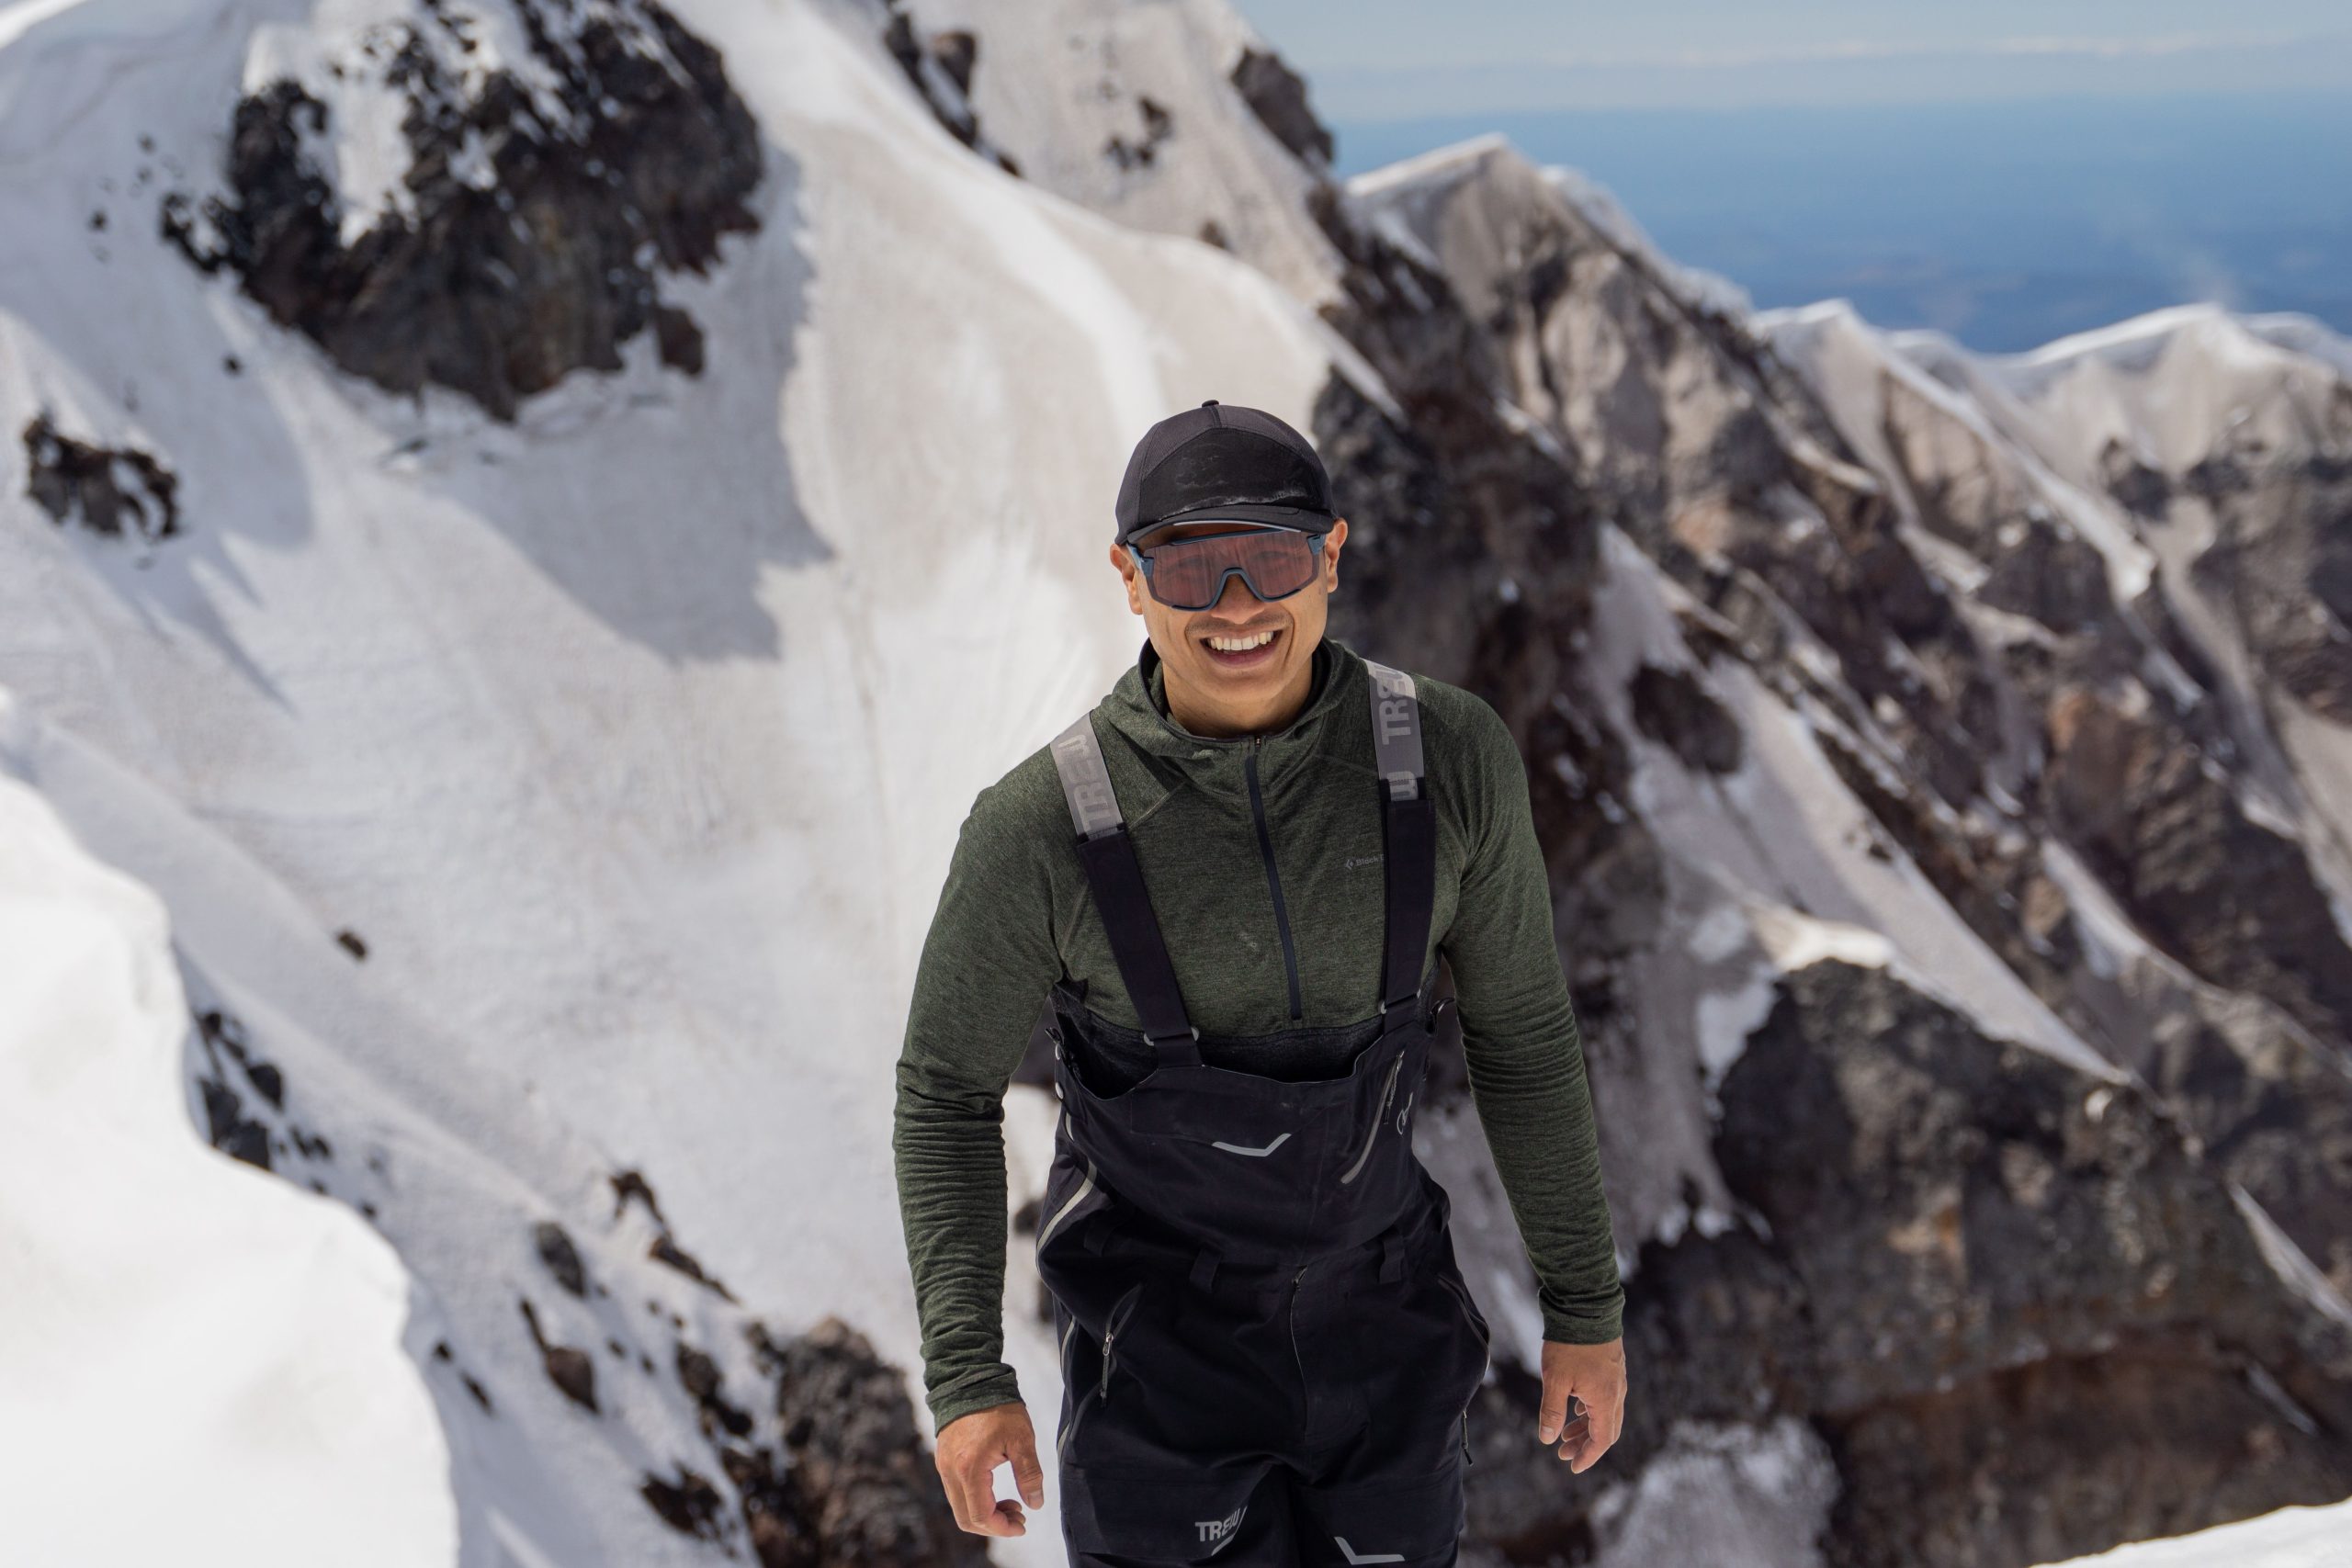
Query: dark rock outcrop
x=941 y=67
x=541 y=198
x=553 y=1244
x=1982 y=1274
x=571 y=1369
x=2281 y=557
x=2233 y=900
x=259 y=1130
x=1155 y=125
x=870 y=1491
x=1277 y=96
x=1675 y=711
x=629 y=1186
x=689 y=1505
x=113 y=491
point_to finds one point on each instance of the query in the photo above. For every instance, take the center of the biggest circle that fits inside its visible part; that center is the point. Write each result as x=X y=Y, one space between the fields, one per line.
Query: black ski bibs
x=1267 y=1352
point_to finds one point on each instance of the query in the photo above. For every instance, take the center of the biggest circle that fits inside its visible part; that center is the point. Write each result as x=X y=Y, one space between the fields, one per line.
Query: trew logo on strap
x=1221 y=1530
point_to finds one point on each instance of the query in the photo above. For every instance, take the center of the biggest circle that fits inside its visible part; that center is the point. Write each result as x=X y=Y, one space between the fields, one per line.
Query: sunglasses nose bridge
x=1231 y=573
x=1218 y=597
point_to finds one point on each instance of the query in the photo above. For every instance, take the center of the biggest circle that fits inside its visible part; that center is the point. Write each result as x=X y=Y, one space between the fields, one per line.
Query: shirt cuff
x=961 y=1397
x=1585 y=1328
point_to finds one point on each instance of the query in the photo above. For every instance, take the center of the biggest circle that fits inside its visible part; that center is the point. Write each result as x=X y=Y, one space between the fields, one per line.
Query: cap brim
x=1303 y=517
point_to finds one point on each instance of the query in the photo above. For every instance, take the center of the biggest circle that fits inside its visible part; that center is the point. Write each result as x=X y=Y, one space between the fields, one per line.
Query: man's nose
x=1237 y=588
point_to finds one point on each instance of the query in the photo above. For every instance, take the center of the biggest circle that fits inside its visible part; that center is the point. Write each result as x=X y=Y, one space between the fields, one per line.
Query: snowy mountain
x=529 y=522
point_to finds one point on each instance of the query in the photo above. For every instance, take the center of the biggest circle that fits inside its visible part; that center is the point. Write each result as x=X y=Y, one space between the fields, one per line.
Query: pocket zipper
x=1386 y=1094
x=1467 y=1457
x=1461 y=1295
x=1111 y=1336
x=1101 y=1391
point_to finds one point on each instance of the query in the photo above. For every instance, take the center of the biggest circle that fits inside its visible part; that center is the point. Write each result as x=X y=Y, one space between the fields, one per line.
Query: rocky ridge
x=2015 y=1110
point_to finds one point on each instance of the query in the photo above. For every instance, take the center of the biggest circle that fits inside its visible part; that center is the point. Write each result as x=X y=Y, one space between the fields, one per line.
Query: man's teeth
x=1240 y=644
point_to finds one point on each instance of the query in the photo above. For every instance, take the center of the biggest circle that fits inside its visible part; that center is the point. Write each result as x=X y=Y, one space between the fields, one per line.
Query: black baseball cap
x=1223 y=461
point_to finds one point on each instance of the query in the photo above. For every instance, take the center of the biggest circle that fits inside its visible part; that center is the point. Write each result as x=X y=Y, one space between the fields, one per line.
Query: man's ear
x=1130 y=575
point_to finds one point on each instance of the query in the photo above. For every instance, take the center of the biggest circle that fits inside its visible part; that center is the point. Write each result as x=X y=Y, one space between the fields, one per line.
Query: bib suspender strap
x=1108 y=853
x=1408 y=832
x=1409 y=838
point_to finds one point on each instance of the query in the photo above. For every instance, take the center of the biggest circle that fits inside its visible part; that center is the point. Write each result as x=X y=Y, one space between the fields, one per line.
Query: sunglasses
x=1273 y=562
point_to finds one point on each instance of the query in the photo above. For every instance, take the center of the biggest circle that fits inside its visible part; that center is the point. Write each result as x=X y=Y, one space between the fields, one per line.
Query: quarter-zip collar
x=1216 y=764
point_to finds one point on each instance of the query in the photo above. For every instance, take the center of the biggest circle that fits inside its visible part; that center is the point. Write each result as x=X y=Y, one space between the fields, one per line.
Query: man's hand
x=1595 y=1376
x=970 y=1447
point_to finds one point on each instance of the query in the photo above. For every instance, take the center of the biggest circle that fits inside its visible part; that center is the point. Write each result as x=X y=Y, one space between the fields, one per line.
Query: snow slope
x=236 y=1348
x=2291 y=1537
x=452 y=1161
x=631 y=738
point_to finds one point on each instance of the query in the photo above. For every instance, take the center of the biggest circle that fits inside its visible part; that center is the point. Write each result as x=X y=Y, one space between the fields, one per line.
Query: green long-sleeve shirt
x=1016 y=914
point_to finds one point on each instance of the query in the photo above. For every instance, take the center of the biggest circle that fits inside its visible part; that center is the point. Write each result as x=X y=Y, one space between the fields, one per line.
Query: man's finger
x=1553 y=1413
x=974 y=1488
x=998 y=1516
x=1027 y=1474
x=1555 y=1406
x=951 y=1481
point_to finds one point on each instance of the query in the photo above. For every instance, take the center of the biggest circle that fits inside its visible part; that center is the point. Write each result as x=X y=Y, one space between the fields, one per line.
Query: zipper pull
x=1111 y=1333
x=1468 y=1459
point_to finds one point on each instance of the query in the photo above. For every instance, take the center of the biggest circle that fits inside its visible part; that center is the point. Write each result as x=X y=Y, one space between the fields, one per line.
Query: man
x=1228 y=883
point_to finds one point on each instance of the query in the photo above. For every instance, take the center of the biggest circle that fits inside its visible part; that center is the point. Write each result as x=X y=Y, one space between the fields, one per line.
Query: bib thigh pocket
x=1098 y=1391
x=1161 y=1516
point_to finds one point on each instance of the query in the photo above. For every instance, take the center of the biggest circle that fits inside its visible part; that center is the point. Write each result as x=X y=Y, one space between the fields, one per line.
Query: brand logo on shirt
x=1221 y=1530
x=1354 y=861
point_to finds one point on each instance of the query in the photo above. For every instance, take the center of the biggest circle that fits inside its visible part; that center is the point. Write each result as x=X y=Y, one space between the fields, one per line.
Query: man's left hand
x=1594 y=1375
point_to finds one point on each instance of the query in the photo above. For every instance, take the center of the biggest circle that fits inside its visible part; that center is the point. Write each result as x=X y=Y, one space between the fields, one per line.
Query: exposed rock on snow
x=1674 y=710
x=563 y=1260
x=1277 y=96
x=941 y=68
x=1176 y=119
x=630 y=1186
x=112 y=490
x=570 y=1367
x=480 y=195
x=1973 y=1247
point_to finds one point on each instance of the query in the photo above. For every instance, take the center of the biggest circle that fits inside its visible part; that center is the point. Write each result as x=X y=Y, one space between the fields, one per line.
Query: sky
x=1372 y=60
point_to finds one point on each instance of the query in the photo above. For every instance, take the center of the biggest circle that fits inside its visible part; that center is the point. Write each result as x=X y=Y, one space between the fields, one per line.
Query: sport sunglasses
x=1272 y=561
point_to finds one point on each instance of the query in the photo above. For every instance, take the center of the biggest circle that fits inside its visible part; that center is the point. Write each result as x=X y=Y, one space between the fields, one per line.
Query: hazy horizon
x=1399 y=60
x=2005 y=224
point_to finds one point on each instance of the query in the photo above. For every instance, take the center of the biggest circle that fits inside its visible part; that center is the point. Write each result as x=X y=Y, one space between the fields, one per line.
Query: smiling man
x=1227 y=885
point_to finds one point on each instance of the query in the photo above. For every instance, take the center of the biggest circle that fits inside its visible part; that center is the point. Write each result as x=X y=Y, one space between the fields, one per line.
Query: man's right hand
x=969 y=1450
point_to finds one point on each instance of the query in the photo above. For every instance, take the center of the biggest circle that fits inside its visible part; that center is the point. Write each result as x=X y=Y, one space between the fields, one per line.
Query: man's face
x=1225 y=652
